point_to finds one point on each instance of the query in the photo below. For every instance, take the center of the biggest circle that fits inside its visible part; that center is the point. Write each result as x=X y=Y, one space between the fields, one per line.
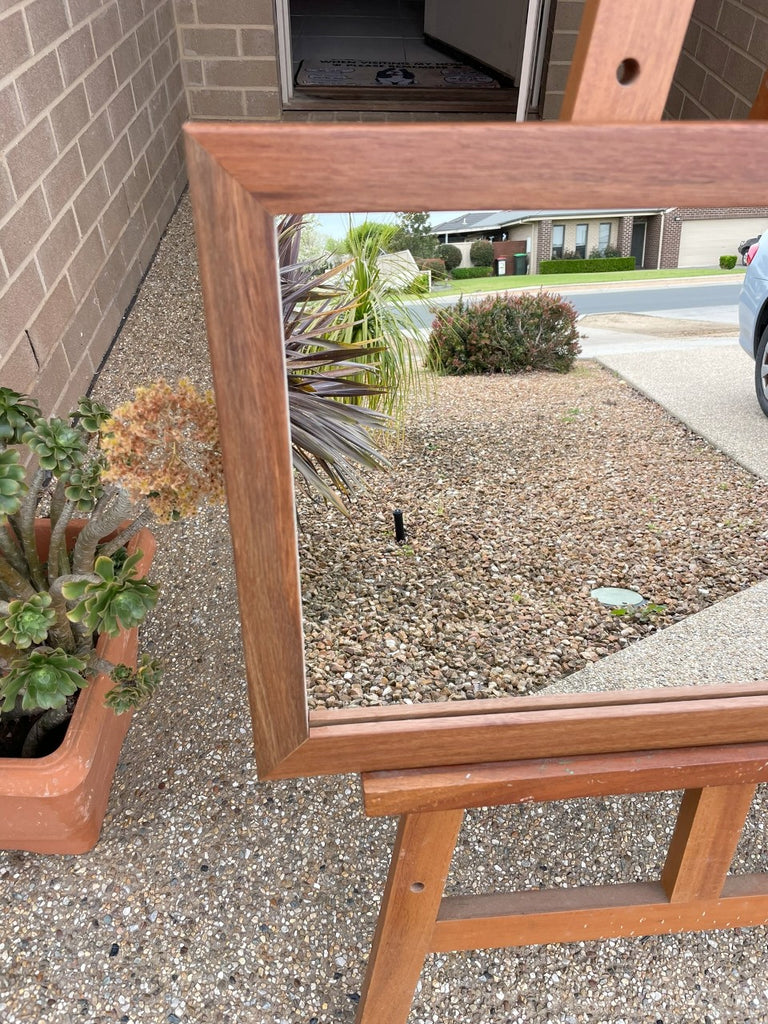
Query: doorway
x=333 y=50
x=637 y=247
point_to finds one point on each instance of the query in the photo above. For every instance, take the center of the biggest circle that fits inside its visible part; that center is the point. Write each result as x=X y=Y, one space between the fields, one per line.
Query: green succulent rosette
x=17 y=413
x=83 y=486
x=13 y=486
x=27 y=622
x=43 y=679
x=58 y=446
x=133 y=686
x=115 y=600
x=90 y=415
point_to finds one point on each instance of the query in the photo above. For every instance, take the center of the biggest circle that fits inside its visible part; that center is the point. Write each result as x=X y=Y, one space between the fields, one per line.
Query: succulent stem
x=66 y=633
x=110 y=512
x=58 y=562
x=125 y=535
x=10 y=550
x=58 y=501
x=14 y=582
x=26 y=527
x=45 y=724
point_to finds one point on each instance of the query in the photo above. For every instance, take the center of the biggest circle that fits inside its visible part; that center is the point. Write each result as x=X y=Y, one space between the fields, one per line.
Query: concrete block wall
x=91 y=166
x=563 y=32
x=723 y=60
x=228 y=57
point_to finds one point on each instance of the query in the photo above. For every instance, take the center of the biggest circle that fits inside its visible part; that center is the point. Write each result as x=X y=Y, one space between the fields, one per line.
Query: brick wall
x=624 y=235
x=91 y=166
x=543 y=245
x=652 y=240
x=722 y=62
x=674 y=220
x=228 y=58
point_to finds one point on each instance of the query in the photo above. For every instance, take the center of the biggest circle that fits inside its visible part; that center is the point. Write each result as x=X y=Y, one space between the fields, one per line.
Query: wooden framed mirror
x=242 y=177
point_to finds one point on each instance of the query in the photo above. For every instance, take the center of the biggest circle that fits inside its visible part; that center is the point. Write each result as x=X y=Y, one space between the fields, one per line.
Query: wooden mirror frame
x=241 y=177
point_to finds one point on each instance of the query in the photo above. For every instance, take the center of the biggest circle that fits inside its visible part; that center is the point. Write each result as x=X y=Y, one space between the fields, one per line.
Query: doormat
x=389 y=75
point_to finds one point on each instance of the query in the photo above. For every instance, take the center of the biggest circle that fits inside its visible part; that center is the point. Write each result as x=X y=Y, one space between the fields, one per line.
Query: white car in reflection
x=753 y=318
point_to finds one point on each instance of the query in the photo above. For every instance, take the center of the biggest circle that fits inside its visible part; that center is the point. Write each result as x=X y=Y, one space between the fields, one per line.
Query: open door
x=284 y=48
x=491 y=31
x=420 y=56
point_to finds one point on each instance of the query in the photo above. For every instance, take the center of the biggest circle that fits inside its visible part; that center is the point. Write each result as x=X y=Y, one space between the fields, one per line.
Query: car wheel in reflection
x=761 y=372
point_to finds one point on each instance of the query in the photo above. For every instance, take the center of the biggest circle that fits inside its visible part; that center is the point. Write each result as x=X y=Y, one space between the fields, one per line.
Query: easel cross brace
x=694 y=892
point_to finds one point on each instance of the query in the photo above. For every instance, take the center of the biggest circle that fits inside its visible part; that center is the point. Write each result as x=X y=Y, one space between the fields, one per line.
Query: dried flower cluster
x=164 y=447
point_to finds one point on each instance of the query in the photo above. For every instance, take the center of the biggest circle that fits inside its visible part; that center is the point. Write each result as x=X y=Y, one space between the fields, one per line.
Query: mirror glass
x=558 y=512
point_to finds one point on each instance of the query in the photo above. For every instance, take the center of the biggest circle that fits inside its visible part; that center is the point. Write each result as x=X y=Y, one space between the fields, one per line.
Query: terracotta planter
x=56 y=804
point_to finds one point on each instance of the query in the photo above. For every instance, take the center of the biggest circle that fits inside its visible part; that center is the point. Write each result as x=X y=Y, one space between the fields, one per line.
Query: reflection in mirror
x=539 y=511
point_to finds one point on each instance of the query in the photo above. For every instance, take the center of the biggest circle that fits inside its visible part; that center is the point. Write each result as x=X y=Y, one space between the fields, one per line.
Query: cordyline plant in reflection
x=53 y=606
x=378 y=309
x=164 y=445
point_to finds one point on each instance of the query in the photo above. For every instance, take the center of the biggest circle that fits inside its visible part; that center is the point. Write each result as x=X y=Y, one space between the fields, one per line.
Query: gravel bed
x=213 y=898
x=520 y=495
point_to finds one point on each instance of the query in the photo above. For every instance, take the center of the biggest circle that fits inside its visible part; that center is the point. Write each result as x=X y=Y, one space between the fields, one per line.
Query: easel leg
x=708 y=828
x=420 y=863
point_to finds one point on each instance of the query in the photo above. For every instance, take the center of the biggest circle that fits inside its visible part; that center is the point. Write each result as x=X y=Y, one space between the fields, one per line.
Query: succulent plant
x=57 y=445
x=17 y=412
x=12 y=483
x=133 y=686
x=91 y=415
x=42 y=679
x=110 y=600
x=54 y=604
x=83 y=486
x=27 y=622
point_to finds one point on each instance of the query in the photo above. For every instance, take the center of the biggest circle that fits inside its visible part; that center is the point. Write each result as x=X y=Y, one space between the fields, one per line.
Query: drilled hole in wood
x=627 y=71
x=417 y=887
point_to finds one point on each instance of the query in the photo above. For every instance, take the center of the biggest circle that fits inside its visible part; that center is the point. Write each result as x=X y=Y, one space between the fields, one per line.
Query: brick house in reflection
x=675 y=237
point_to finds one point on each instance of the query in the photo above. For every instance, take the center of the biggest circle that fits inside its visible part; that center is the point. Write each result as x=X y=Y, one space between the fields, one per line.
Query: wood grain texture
x=378 y=745
x=707 y=832
x=238 y=267
x=538 y=702
x=419 y=867
x=638 y=42
x=317 y=167
x=543 y=779
x=592 y=912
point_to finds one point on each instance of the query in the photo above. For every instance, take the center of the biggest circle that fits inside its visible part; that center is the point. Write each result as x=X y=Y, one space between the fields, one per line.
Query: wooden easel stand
x=693 y=893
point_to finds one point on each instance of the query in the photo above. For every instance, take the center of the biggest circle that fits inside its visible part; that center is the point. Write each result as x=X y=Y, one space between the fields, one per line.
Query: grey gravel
x=520 y=495
x=213 y=898
x=714 y=387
